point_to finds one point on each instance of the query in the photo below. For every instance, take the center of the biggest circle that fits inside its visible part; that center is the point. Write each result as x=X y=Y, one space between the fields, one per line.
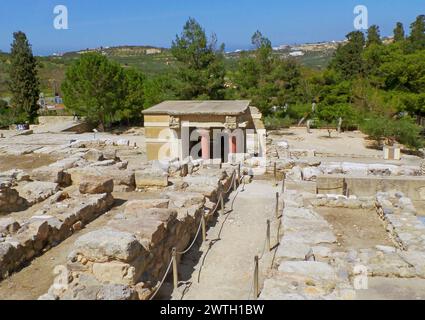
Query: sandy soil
x=25 y=162
x=356 y=229
x=344 y=144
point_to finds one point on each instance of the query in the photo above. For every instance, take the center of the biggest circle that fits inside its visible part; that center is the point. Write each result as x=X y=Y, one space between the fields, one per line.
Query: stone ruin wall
x=41 y=208
x=127 y=259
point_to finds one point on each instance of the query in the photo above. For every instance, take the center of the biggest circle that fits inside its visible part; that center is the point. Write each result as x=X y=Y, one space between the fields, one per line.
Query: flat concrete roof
x=206 y=107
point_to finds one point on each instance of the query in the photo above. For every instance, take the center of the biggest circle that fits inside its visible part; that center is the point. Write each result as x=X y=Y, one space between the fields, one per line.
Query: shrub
x=275 y=123
x=298 y=111
x=386 y=130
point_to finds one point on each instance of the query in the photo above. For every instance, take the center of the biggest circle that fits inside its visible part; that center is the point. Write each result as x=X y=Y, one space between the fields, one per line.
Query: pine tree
x=373 y=36
x=417 y=34
x=201 y=68
x=24 y=83
x=399 y=34
x=96 y=88
x=348 y=60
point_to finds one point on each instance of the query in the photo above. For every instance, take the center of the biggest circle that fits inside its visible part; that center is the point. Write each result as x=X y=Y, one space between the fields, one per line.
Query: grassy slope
x=52 y=69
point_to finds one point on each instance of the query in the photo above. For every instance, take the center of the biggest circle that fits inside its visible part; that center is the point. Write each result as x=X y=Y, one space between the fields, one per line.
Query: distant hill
x=153 y=61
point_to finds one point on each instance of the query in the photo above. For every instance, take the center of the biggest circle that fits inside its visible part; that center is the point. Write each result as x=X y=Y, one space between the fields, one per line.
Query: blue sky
x=94 y=23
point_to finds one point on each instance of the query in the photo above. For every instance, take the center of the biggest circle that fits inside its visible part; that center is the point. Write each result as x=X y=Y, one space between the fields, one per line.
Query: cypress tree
x=399 y=34
x=24 y=83
x=417 y=35
x=373 y=36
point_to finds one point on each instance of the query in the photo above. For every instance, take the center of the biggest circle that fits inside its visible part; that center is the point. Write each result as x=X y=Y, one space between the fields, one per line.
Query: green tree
x=417 y=34
x=201 y=68
x=373 y=36
x=399 y=34
x=387 y=131
x=348 y=60
x=267 y=79
x=132 y=108
x=159 y=88
x=95 y=88
x=329 y=116
x=24 y=83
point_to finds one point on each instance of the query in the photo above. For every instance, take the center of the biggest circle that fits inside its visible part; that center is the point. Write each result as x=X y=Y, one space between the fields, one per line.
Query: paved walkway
x=225 y=269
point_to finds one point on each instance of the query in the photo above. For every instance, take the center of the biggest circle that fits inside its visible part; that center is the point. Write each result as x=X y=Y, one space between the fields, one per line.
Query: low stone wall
x=304 y=268
x=10 y=200
x=21 y=241
x=129 y=257
x=339 y=201
x=310 y=265
x=412 y=187
x=399 y=215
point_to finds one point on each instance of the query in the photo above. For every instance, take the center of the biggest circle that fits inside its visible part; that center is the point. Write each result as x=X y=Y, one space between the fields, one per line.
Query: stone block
x=52 y=174
x=139 y=205
x=107 y=244
x=115 y=272
x=93 y=155
x=151 y=178
x=96 y=185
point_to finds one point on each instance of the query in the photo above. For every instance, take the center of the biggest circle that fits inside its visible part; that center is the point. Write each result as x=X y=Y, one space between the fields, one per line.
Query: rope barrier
x=193 y=242
x=163 y=279
x=173 y=261
x=202 y=221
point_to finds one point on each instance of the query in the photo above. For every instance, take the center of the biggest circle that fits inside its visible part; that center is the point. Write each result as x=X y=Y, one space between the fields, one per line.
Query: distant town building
x=296 y=54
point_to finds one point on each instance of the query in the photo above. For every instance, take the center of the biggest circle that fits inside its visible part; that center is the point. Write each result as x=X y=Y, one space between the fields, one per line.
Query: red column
x=205 y=143
x=232 y=144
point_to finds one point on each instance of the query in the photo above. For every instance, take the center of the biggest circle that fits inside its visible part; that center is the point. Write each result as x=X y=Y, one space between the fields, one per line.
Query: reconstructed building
x=221 y=131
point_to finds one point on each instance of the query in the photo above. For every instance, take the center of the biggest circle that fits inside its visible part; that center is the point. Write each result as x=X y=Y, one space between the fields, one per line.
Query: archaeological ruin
x=98 y=216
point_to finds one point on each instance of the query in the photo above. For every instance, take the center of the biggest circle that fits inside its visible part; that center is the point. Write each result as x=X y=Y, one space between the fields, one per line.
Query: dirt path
x=225 y=269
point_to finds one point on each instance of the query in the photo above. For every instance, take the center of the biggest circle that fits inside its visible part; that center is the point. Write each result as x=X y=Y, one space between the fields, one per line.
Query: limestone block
x=96 y=185
x=107 y=244
x=150 y=178
x=184 y=199
x=136 y=205
x=94 y=155
x=292 y=251
x=116 y=292
x=115 y=272
x=38 y=191
x=52 y=174
x=123 y=180
x=319 y=270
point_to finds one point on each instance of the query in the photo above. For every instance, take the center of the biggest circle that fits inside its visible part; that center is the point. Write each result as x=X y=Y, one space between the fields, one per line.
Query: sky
x=95 y=23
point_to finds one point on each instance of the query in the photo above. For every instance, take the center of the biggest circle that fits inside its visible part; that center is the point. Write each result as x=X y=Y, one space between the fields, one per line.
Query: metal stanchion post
x=269 y=246
x=278 y=232
x=277 y=205
x=283 y=183
x=175 y=270
x=222 y=204
x=204 y=228
x=256 y=284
